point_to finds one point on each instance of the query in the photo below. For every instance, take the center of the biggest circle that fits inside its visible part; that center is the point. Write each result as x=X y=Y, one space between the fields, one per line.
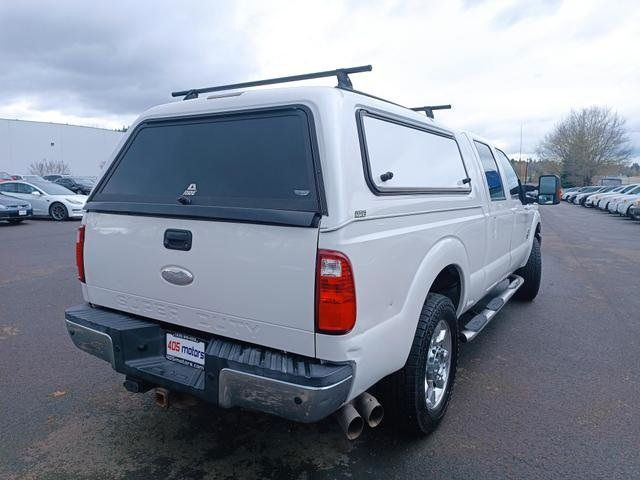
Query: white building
x=82 y=148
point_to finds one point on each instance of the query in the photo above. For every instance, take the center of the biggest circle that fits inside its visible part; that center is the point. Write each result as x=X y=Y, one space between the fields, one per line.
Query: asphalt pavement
x=550 y=389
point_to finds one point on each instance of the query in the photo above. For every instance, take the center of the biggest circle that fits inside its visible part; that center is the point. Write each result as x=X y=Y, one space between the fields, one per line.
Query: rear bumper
x=234 y=375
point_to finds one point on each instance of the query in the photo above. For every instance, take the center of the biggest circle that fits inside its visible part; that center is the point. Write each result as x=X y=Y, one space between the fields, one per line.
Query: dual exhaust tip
x=352 y=416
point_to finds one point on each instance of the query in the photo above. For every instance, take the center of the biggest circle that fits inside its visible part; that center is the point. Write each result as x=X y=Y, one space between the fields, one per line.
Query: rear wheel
x=58 y=212
x=417 y=396
x=531 y=273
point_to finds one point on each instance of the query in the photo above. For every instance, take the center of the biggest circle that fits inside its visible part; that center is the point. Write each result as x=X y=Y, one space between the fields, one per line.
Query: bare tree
x=49 y=167
x=589 y=142
x=530 y=169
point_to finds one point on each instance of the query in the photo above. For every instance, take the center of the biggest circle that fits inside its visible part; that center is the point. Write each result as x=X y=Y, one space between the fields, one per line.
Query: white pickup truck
x=301 y=251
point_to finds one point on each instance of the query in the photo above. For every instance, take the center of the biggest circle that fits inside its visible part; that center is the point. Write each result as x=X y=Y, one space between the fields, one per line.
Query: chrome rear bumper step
x=234 y=374
x=474 y=326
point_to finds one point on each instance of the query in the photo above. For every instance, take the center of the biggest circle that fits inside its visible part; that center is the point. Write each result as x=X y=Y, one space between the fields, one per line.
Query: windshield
x=88 y=181
x=33 y=178
x=52 y=188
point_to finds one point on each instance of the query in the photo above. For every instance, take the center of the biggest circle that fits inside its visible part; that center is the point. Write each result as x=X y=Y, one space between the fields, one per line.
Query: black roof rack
x=428 y=110
x=341 y=73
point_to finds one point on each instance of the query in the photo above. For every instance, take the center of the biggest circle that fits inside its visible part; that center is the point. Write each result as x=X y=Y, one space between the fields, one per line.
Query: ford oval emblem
x=176 y=275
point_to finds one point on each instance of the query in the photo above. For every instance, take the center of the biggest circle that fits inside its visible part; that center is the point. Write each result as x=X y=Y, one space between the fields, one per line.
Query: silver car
x=13 y=210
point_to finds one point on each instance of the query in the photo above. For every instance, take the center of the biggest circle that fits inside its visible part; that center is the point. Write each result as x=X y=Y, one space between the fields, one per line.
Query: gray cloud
x=107 y=61
x=94 y=58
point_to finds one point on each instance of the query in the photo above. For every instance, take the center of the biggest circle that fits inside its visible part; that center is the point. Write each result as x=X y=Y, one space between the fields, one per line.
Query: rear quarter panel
x=397 y=249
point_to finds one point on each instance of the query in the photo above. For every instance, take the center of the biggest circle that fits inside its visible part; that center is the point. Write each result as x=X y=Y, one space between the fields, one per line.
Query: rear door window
x=491 y=172
x=248 y=161
x=8 y=187
x=24 y=188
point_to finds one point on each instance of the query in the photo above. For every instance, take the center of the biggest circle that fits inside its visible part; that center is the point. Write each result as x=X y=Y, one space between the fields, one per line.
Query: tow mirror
x=549 y=191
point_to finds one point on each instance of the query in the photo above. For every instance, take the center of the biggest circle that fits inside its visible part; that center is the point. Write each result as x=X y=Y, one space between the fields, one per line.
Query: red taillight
x=80 y=253
x=335 y=293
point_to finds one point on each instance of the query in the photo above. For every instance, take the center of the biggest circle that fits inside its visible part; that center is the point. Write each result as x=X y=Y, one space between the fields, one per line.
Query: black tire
x=403 y=393
x=58 y=212
x=531 y=273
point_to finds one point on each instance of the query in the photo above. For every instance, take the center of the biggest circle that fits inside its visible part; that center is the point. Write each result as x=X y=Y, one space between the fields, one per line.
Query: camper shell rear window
x=252 y=166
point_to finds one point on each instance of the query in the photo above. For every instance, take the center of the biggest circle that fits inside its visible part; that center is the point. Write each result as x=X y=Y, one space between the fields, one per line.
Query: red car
x=5 y=177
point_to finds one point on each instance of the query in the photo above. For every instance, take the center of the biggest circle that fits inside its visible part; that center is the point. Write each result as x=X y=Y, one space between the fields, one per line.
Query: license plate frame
x=22 y=213
x=185 y=349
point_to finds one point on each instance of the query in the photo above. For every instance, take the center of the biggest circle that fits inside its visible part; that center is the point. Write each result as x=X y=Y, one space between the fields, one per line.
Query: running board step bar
x=482 y=319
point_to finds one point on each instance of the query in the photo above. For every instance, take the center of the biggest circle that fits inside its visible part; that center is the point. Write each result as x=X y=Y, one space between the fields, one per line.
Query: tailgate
x=250 y=282
x=212 y=224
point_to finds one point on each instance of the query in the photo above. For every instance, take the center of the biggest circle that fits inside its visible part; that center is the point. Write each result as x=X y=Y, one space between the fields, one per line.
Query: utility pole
x=526 y=165
x=520 y=141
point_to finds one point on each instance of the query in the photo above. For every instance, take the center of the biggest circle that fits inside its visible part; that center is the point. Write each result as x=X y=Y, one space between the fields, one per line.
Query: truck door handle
x=177 y=239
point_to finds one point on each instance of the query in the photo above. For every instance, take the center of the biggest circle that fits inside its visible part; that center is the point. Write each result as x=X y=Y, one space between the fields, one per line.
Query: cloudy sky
x=500 y=63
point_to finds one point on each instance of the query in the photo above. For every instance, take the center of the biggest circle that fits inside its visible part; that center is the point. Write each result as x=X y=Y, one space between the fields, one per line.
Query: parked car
x=47 y=198
x=4 y=176
x=286 y=277
x=33 y=178
x=82 y=185
x=571 y=195
x=573 y=198
x=567 y=191
x=612 y=207
x=603 y=203
x=623 y=206
x=634 y=210
x=14 y=210
x=581 y=197
x=52 y=178
x=592 y=200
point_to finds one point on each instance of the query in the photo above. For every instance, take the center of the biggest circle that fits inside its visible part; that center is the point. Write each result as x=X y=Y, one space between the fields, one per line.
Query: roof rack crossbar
x=341 y=73
x=428 y=110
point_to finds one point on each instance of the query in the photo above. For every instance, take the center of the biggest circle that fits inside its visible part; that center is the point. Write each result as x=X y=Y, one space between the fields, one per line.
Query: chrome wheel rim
x=57 y=212
x=438 y=365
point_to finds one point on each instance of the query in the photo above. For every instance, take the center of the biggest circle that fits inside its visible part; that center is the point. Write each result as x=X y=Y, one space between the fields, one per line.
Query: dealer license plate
x=22 y=212
x=185 y=349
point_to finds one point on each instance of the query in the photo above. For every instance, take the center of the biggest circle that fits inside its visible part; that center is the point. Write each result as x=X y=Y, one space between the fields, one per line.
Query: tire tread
x=398 y=390
x=531 y=273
